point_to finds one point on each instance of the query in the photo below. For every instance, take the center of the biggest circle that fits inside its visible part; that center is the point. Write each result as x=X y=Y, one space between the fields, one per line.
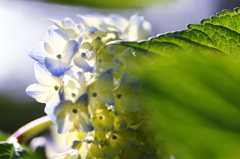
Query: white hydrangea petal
x=56 y=38
x=81 y=79
x=120 y=22
x=49 y=49
x=85 y=152
x=65 y=122
x=80 y=82
x=96 y=151
x=68 y=117
x=103 y=120
x=56 y=67
x=83 y=21
x=148 y=27
x=138 y=28
x=125 y=84
x=99 y=99
x=104 y=81
x=88 y=30
x=44 y=76
x=56 y=22
x=67 y=25
x=106 y=98
x=126 y=103
x=71 y=152
x=70 y=27
x=74 y=86
x=91 y=57
x=69 y=50
x=38 y=53
x=83 y=64
x=75 y=135
x=125 y=138
x=100 y=33
x=112 y=150
x=83 y=123
x=100 y=91
x=109 y=64
x=39 y=92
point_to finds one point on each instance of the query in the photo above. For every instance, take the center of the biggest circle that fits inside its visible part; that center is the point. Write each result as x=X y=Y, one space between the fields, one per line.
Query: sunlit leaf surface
x=218 y=35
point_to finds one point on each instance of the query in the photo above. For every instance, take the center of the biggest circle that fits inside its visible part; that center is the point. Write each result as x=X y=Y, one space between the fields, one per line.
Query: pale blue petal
x=69 y=50
x=61 y=94
x=51 y=105
x=62 y=106
x=56 y=67
x=38 y=53
x=81 y=27
x=116 y=61
x=89 y=30
x=80 y=41
x=82 y=100
x=49 y=111
x=82 y=63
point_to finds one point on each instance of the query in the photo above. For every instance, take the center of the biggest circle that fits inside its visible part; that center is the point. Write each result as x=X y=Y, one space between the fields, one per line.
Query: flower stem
x=29 y=130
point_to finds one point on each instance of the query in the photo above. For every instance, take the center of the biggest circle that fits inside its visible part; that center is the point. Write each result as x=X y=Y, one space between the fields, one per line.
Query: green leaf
x=106 y=3
x=196 y=100
x=196 y=105
x=39 y=153
x=219 y=35
x=7 y=151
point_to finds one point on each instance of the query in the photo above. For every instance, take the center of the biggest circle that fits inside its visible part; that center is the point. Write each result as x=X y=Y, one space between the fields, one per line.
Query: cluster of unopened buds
x=91 y=89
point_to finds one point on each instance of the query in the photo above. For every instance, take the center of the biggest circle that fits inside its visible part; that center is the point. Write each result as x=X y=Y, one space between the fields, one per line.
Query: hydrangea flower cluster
x=91 y=90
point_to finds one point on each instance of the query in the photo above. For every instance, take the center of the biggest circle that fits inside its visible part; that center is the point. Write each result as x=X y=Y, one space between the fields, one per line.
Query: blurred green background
x=24 y=23
x=196 y=103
